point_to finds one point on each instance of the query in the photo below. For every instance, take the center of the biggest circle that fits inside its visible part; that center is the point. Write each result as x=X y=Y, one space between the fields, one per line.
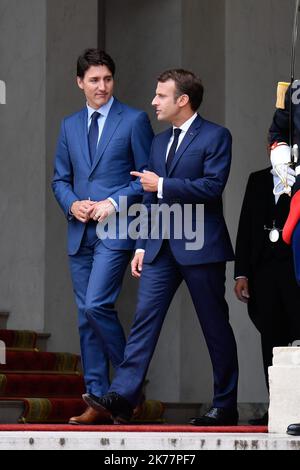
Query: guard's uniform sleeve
x=279 y=130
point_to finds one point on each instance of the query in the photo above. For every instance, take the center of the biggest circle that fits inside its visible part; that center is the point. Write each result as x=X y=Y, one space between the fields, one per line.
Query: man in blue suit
x=189 y=164
x=97 y=148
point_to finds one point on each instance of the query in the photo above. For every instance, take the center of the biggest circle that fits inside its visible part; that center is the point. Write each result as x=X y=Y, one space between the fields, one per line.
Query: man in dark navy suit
x=189 y=165
x=97 y=148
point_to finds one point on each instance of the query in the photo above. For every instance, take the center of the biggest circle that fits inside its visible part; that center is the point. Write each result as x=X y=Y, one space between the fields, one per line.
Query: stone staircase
x=12 y=410
x=37 y=386
x=30 y=394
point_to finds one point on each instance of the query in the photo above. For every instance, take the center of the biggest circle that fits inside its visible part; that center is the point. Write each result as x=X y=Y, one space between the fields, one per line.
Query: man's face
x=97 y=84
x=166 y=106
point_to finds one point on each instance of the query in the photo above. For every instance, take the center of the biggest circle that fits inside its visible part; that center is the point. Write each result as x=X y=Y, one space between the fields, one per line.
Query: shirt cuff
x=114 y=203
x=240 y=277
x=139 y=250
x=160 y=188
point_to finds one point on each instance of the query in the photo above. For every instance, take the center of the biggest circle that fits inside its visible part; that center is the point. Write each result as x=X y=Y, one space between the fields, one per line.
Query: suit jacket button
x=91 y=178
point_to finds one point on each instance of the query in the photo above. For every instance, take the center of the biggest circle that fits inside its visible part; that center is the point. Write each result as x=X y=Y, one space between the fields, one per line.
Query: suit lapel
x=188 y=138
x=112 y=121
x=83 y=135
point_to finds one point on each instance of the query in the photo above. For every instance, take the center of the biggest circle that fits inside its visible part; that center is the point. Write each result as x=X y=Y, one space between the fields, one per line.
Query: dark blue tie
x=93 y=135
x=173 y=148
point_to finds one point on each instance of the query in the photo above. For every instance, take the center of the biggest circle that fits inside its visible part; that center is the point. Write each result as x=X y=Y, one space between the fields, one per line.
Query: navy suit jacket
x=198 y=175
x=124 y=146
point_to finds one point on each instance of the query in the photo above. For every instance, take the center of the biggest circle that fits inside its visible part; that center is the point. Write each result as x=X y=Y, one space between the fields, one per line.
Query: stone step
x=181 y=413
x=11 y=411
x=131 y=441
x=37 y=385
x=33 y=410
x=41 y=342
x=25 y=339
x=3 y=320
x=175 y=413
x=40 y=372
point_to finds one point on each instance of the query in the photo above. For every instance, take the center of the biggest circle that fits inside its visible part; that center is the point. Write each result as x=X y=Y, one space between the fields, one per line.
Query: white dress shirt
x=184 y=128
x=103 y=110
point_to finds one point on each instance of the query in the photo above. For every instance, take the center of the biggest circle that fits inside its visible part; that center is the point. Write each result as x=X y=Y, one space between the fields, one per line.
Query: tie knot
x=177 y=132
x=95 y=116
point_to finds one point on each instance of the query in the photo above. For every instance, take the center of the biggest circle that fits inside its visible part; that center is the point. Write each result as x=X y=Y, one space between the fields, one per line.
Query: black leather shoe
x=119 y=408
x=217 y=417
x=263 y=421
x=294 y=429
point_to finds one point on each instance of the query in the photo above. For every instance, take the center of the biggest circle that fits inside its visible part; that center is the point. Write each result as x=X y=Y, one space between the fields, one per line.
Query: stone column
x=72 y=26
x=22 y=154
x=284 y=380
x=39 y=43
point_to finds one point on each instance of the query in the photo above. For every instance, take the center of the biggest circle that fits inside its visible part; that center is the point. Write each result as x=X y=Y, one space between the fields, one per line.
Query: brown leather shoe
x=139 y=409
x=91 y=416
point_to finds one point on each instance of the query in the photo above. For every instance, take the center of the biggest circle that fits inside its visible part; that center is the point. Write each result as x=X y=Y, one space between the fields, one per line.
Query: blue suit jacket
x=198 y=175
x=124 y=146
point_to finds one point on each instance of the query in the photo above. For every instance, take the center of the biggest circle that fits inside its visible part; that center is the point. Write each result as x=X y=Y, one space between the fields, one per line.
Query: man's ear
x=183 y=100
x=79 y=83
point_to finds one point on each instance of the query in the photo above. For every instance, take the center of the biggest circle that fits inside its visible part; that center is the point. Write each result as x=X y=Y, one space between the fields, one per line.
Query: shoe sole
x=121 y=420
x=293 y=433
x=213 y=425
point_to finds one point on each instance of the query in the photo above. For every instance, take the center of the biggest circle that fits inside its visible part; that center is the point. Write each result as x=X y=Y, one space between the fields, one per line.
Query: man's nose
x=101 y=85
x=154 y=101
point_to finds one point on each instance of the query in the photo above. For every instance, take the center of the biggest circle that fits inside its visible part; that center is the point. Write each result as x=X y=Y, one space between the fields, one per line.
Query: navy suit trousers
x=158 y=284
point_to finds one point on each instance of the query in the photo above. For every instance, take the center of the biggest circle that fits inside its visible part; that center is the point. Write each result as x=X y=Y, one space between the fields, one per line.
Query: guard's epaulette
x=281 y=92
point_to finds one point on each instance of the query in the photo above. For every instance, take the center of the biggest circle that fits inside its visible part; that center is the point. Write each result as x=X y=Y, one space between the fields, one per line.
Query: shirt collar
x=104 y=110
x=187 y=124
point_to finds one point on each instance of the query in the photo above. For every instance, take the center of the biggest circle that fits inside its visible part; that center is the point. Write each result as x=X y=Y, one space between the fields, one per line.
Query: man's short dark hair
x=94 y=57
x=187 y=83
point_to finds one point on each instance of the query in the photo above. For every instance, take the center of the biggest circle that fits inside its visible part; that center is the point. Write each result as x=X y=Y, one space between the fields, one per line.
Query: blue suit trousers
x=97 y=274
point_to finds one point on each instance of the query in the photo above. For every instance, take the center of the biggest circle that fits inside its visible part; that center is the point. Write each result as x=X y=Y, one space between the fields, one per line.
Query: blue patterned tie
x=93 y=135
x=172 y=150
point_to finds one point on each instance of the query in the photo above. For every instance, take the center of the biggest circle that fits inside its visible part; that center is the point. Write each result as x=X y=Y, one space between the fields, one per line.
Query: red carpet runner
x=135 y=428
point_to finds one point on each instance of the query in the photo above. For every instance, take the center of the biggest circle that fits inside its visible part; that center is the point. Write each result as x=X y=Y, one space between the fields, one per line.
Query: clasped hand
x=92 y=210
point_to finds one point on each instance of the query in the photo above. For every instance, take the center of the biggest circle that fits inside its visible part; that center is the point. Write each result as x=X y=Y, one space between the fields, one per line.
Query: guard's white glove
x=279 y=187
x=281 y=160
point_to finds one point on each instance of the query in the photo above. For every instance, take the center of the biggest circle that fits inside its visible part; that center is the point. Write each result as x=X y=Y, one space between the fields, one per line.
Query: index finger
x=137 y=173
